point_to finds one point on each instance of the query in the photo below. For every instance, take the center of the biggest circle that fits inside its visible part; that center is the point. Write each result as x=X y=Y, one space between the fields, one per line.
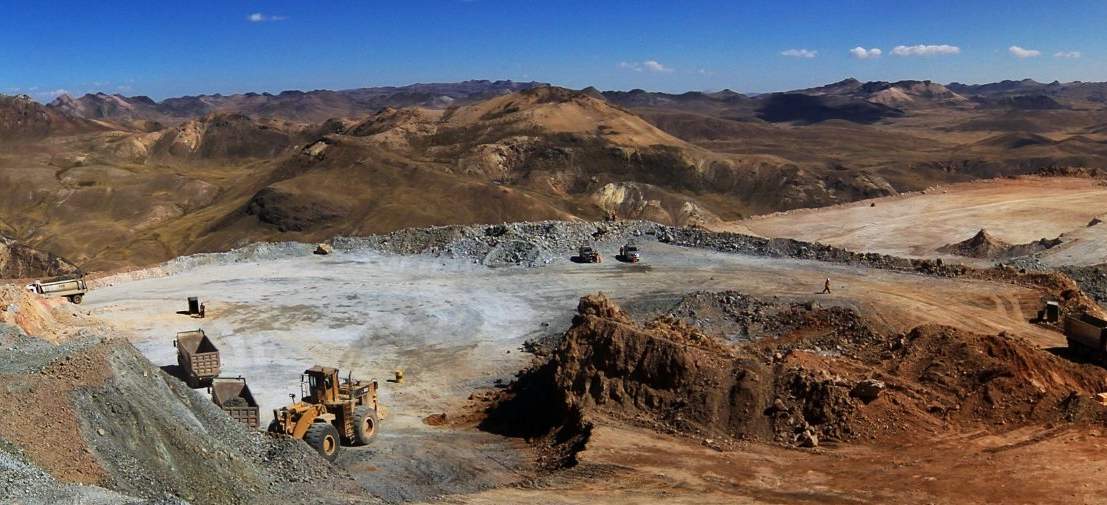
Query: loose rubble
x=826 y=376
x=99 y=416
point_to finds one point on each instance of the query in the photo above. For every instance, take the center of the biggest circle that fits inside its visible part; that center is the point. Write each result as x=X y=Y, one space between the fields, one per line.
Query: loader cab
x=319 y=385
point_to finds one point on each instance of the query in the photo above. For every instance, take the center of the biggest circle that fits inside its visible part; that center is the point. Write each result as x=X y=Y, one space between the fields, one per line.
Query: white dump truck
x=72 y=288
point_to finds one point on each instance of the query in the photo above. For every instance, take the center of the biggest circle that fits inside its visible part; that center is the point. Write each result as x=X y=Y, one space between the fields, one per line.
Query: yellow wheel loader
x=331 y=412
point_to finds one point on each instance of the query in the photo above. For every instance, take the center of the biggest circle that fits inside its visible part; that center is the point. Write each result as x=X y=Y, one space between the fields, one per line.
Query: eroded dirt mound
x=984 y=245
x=823 y=375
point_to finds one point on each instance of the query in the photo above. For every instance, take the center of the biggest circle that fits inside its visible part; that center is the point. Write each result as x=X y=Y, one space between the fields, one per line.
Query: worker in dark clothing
x=826 y=287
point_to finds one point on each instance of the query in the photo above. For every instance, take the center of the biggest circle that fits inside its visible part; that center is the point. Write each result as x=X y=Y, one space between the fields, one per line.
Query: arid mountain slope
x=22 y=118
x=225 y=170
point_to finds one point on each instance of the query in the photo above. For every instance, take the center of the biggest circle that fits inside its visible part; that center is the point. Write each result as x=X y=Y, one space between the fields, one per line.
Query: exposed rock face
x=288 y=211
x=22 y=118
x=824 y=376
x=224 y=136
x=19 y=261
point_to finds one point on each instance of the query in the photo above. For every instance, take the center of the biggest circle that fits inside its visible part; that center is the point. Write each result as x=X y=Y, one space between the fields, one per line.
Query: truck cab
x=586 y=254
x=629 y=253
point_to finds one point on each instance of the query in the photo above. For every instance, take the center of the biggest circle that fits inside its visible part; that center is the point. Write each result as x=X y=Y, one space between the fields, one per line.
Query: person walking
x=826 y=287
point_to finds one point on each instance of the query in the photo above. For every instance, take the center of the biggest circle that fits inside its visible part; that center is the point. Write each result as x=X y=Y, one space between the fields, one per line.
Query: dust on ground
x=663 y=411
x=1016 y=211
x=456 y=326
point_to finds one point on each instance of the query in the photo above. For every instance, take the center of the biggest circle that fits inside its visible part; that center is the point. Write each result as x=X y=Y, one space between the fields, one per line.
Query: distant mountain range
x=110 y=181
x=313 y=106
x=849 y=100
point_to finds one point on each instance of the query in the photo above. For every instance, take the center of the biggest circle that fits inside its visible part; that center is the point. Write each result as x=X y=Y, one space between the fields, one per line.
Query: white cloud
x=925 y=50
x=46 y=96
x=654 y=66
x=1067 y=55
x=648 y=66
x=258 y=17
x=1021 y=53
x=799 y=53
x=866 y=54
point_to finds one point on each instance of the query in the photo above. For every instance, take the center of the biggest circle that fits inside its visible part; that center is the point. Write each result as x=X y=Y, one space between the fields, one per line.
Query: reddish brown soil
x=951 y=403
x=46 y=426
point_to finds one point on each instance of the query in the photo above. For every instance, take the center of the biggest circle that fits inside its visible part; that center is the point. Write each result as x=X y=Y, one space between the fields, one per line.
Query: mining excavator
x=330 y=413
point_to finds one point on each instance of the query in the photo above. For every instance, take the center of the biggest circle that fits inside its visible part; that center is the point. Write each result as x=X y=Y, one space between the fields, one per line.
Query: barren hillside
x=225 y=171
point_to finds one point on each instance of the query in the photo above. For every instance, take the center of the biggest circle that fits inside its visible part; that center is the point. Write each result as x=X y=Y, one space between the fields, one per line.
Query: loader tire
x=274 y=427
x=365 y=425
x=323 y=437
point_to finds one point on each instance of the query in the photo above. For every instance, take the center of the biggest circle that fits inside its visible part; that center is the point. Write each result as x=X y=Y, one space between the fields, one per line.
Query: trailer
x=71 y=287
x=197 y=357
x=1087 y=334
x=233 y=396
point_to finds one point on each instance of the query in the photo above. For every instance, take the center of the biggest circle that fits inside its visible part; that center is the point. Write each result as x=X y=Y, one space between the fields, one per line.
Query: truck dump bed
x=235 y=398
x=197 y=356
x=1086 y=331
x=72 y=287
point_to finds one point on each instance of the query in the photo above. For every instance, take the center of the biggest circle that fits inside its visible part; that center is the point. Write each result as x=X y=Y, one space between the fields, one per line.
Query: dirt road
x=1029 y=466
x=1014 y=210
x=454 y=326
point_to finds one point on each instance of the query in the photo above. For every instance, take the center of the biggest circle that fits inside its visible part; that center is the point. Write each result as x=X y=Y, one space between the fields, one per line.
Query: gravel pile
x=526 y=243
x=1091 y=279
x=122 y=424
x=797 y=249
x=534 y=244
x=23 y=483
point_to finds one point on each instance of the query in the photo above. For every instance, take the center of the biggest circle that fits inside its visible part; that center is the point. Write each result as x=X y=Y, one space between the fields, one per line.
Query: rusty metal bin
x=234 y=397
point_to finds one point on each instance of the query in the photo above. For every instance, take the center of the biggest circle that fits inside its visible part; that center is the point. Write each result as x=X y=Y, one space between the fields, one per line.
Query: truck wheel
x=323 y=437
x=365 y=425
x=76 y=299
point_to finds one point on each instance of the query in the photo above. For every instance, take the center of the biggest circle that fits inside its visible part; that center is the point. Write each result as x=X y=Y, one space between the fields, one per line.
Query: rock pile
x=96 y=415
x=984 y=245
x=526 y=243
x=825 y=376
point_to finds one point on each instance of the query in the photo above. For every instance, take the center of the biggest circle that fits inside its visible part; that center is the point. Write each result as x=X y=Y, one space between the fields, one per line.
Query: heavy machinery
x=71 y=287
x=629 y=253
x=1087 y=334
x=197 y=357
x=586 y=254
x=330 y=413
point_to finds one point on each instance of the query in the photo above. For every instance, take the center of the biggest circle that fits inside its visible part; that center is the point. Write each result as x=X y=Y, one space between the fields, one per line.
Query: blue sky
x=164 y=49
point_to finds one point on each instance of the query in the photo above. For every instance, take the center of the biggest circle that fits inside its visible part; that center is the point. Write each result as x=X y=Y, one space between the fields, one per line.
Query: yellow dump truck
x=197 y=357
